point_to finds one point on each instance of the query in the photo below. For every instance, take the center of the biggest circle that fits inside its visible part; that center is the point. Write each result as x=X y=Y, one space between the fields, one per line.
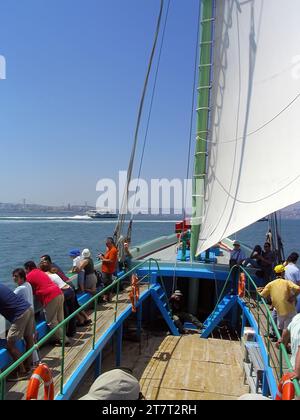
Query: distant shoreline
x=5 y=214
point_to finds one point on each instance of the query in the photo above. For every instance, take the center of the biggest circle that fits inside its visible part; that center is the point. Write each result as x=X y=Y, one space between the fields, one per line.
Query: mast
x=274 y=238
x=203 y=114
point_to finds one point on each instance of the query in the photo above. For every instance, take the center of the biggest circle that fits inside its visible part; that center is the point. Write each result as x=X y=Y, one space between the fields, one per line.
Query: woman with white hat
x=90 y=278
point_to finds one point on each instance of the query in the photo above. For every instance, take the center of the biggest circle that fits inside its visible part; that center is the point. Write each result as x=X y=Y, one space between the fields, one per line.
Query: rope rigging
x=149 y=118
x=273 y=237
x=123 y=210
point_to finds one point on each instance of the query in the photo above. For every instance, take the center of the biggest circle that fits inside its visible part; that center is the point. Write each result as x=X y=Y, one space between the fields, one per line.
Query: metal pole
x=117 y=298
x=98 y=365
x=235 y=278
x=63 y=360
x=268 y=338
x=139 y=326
x=2 y=389
x=280 y=362
x=119 y=337
x=258 y=312
x=95 y=323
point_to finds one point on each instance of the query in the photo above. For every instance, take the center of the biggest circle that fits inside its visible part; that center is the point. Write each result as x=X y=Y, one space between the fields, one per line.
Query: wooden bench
x=254 y=358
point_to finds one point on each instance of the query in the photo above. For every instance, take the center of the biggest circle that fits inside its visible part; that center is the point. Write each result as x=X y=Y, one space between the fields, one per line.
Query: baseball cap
x=74 y=253
x=114 y=385
x=178 y=293
x=279 y=269
x=236 y=243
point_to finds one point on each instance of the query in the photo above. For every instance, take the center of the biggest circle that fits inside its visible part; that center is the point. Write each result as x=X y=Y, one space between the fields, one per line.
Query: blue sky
x=75 y=71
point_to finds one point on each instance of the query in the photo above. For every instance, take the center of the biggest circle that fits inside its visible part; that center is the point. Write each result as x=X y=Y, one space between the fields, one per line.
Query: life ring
x=41 y=374
x=286 y=389
x=242 y=285
x=134 y=293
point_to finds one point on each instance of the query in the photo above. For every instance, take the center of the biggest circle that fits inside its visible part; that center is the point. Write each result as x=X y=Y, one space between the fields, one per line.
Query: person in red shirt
x=109 y=265
x=50 y=296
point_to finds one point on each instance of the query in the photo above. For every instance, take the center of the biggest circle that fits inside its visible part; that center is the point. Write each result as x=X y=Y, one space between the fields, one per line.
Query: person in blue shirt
x=237 y=255
x=20 y=314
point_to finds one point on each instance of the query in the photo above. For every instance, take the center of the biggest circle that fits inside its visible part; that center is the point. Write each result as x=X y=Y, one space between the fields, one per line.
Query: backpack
x=99 y=283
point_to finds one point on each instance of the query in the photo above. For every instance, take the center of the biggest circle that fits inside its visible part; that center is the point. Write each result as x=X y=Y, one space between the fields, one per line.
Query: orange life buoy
x=134 y=293
x=41 y=374
x=242 y=285
x=286 y=389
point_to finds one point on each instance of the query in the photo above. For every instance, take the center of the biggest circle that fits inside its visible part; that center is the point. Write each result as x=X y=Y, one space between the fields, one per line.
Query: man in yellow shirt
x=282 y=293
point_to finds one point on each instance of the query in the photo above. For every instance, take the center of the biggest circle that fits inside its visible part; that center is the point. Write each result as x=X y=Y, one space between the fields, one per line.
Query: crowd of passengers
x=57 y=296
x=282 y=291
x=54 y=292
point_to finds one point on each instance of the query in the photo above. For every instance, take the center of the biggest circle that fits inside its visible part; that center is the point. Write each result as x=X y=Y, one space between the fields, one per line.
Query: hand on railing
x=278 y=344
x=294 y=376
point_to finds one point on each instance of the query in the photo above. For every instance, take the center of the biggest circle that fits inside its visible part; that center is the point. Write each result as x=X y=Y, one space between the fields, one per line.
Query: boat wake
x=44 y=218
x=77 y=218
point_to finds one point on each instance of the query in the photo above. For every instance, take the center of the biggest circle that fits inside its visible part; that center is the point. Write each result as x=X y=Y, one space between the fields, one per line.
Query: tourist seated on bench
x=179 y=316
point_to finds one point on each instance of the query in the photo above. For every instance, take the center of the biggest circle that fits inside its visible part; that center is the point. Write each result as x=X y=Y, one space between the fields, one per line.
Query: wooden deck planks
x=190 y=368
x=81 y=345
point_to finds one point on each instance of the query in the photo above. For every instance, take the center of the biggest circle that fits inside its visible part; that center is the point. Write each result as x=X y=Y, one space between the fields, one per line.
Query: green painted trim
x=203 y=118
x=63 y=324
x=282 y=353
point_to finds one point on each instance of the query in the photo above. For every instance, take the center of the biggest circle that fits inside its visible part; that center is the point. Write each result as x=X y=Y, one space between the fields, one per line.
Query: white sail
x=253 y=160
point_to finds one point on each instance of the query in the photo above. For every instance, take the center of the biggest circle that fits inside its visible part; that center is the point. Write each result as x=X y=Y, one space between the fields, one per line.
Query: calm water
x=26 y=238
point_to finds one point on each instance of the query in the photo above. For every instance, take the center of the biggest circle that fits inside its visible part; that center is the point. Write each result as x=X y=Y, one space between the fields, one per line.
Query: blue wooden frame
x=114 y=329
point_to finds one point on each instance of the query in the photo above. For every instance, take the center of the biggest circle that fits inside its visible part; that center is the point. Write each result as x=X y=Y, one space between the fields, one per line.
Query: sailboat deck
x=81 y=344
x=190 y=368
x=181 y=368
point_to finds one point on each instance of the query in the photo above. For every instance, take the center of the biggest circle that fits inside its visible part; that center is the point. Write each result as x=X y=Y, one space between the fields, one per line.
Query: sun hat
x=74 y=253
x=279 y=269
x=114 y=385
x=86 y=253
